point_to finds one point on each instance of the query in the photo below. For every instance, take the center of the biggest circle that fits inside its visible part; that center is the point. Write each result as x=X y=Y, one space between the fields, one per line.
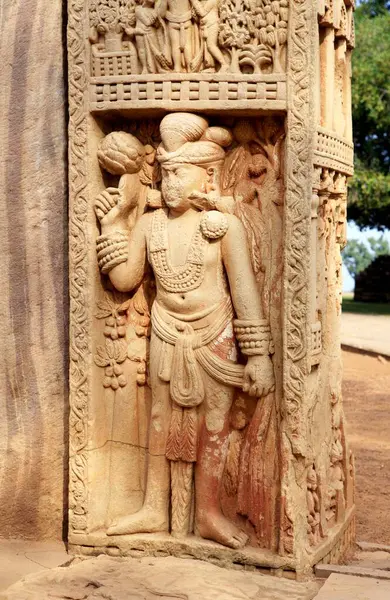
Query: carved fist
x=106 y=201
x=114 y=205
x=259 y=379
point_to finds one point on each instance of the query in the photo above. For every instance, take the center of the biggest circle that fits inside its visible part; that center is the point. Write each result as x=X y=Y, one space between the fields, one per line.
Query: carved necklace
x=176 y=279
x=212 y=225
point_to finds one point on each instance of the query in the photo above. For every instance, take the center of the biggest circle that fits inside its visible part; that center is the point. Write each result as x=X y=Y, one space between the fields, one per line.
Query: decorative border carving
x=297 y=225
x=78 y=250
x=296 y=330
x=333 y=152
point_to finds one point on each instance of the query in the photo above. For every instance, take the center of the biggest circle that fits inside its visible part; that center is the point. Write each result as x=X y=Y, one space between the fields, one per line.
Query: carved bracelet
x=253 y=336
x=112 y=250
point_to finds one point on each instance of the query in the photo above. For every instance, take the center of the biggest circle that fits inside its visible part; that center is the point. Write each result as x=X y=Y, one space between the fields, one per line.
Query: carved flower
x=78 y=5
x=78 y=522
x=297 y=133
x=297 y=63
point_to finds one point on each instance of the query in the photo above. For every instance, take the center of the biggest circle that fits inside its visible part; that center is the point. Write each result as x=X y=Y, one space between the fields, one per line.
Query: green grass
x=364 y=308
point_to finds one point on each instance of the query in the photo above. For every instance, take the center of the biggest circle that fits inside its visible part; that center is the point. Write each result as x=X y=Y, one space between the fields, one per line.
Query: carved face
x=179 y=182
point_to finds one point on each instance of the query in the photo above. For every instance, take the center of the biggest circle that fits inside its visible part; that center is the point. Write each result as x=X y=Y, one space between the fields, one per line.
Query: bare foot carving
x=214 y=526
x=145 y=520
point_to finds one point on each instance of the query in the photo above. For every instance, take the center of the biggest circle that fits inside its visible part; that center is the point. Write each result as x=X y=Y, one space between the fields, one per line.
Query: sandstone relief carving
x=164 y=36
x=205 y=353
x=192 y=215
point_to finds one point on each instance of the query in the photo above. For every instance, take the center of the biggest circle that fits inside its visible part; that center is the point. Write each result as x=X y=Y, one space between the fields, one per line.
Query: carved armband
x=253 y=336
x=112 y=250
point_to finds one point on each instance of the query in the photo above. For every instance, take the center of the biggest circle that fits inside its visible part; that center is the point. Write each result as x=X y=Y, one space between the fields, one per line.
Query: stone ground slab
x=107 y=578
x=20 y=557
x=379 y=559
x=347 y=587
x=352 y=569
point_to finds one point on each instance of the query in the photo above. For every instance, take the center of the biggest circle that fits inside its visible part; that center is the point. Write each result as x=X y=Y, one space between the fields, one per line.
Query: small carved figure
x=313 y=507
x=207 y=13
x=178 y=14
x=151 y=37
x=204 y=302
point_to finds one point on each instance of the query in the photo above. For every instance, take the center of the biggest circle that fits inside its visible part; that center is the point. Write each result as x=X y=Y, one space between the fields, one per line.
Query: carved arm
x=123 y=255
x=251 y=329
x=236 y=258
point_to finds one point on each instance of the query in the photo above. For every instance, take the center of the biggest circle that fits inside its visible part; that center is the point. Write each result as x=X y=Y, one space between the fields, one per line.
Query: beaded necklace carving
x=176 y=279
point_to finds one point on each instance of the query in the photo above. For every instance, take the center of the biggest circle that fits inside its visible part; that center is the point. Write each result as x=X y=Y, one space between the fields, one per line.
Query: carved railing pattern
x=333 y=152
x=211 y=89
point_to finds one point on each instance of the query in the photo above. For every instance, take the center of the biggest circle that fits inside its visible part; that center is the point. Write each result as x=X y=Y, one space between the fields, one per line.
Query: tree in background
x=369 y=204
x=357 y=256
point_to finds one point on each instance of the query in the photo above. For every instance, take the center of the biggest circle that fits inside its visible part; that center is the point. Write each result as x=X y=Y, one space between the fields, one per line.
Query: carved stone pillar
x=204 y=398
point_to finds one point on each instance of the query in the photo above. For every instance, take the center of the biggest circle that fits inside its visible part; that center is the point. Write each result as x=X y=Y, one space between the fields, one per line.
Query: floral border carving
x=299 y=160
x=299 y=144
x=78 y=259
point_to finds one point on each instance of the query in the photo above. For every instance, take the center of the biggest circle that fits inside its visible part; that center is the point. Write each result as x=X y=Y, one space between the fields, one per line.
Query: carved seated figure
x=206 y=300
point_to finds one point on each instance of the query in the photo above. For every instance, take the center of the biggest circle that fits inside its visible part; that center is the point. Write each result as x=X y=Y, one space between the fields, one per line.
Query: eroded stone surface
x=33 y=275
x=147 y=578
x=19 y=558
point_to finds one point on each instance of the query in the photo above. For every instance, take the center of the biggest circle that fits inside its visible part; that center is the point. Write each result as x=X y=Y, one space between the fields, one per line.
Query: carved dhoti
x=182 y=23
x=191 y=344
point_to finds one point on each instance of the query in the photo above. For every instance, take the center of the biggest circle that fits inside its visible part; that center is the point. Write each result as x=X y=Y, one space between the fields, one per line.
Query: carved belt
x=181 y=339
x=182 y=18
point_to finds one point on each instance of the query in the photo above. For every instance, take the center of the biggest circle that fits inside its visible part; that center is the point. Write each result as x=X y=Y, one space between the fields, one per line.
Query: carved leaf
x=104 y=308
x=232 y=168
x=101 y=358
x=122 y=308
x=120 y=351
x=110 y=348
x=139 y=302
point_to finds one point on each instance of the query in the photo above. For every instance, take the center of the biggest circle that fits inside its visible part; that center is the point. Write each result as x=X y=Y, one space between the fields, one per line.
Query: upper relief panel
x=198 y=53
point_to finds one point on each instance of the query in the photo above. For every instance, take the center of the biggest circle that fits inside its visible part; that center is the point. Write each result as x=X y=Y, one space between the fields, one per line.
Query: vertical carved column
x=339 y=109
x=297 y=307
x=327 y=65
x=80 y=341
x=315 y=348
x=348 y=96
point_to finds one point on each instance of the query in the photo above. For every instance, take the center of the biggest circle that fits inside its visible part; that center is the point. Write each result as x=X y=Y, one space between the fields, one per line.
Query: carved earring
x=211 y=183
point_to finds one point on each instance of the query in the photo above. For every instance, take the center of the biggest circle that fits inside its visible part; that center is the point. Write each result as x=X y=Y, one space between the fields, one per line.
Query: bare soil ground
x=366 y=392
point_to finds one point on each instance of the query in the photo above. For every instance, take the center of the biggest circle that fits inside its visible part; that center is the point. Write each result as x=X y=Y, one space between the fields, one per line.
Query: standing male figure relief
x=206 y=299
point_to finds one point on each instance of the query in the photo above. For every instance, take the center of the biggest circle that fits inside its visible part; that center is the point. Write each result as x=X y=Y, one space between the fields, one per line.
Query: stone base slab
x=333 y=549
